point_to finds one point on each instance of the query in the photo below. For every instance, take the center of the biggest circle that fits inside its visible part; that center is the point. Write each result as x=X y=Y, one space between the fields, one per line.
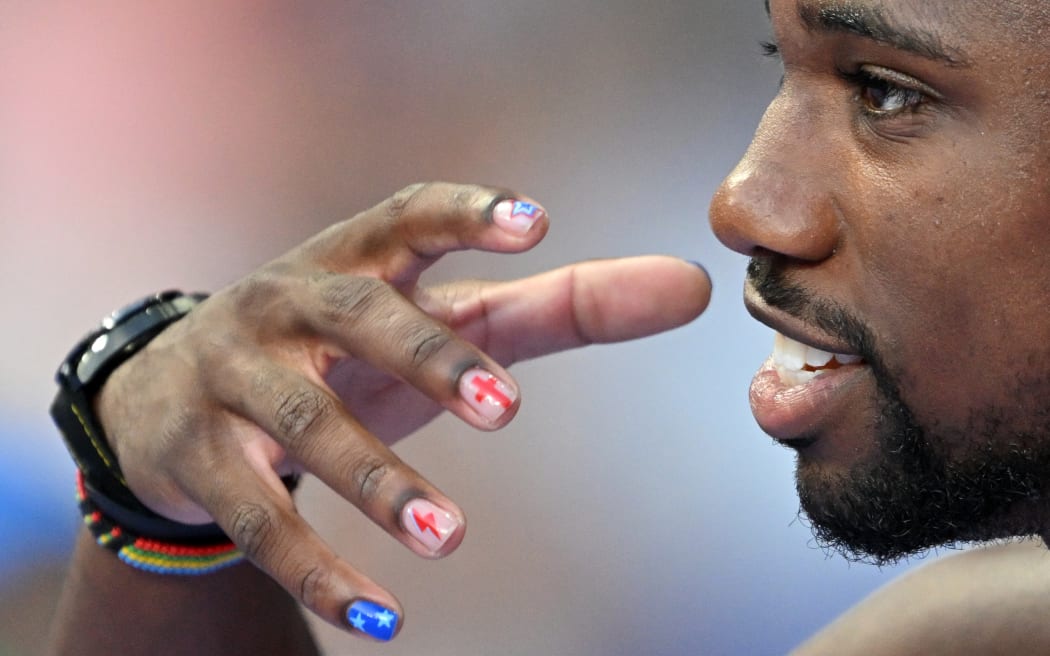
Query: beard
x=912 y=494
x=909 y=497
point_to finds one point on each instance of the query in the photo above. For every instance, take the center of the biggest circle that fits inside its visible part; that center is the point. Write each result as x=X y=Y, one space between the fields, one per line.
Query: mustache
x=769 y=277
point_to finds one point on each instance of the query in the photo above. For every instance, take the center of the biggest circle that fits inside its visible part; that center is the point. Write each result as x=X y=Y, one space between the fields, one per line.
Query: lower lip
x=795 y=414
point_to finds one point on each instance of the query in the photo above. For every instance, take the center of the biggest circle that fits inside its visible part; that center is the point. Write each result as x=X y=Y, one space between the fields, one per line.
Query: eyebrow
x=871 y=22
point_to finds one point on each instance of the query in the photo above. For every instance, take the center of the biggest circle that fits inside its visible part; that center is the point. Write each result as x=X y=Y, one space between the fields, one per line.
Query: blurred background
x=183 y=143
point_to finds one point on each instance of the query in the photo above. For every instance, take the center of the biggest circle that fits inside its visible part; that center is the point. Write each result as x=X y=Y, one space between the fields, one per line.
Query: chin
x=896 y=504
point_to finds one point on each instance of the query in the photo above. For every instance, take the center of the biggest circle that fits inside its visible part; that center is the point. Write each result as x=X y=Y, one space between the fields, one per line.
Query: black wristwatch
x=80 y=378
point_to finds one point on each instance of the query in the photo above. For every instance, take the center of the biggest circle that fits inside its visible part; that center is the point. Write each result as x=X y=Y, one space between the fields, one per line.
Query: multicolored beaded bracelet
x=153 y=555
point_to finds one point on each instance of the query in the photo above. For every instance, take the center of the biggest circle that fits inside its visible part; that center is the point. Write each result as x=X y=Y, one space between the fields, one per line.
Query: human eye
x=771 y=50
x=884 y=93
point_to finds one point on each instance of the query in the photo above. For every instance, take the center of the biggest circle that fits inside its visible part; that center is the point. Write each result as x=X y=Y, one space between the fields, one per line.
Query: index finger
x=397 y=239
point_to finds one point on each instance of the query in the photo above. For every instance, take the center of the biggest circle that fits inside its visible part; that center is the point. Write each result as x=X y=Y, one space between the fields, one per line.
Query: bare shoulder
x=988 y=600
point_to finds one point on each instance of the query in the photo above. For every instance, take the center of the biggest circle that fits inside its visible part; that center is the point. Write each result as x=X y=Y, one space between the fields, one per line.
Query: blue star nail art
x=521 y=207
x=372 y=619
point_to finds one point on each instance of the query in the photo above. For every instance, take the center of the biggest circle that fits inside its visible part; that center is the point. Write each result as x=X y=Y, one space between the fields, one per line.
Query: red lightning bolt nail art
x=428 y=523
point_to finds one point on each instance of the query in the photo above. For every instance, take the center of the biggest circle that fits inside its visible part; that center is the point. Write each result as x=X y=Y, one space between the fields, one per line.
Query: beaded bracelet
x=153 y=555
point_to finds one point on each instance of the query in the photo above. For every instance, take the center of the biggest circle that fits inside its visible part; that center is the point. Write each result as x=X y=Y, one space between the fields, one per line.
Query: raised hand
x=320 y=359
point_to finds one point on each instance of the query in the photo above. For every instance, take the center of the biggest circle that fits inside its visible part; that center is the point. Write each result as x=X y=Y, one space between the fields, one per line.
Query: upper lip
x=791 y=326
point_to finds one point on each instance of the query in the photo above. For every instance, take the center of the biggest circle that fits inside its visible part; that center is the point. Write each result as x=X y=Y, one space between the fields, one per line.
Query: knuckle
x=397 y=204
x=300 y=412
x=583 y=305
x=367 y=475
x=254 y=292
x=462 y=198
x=469 y=198
x=351 y=297
x=252 y=528
x=314 y=584
x=465 y=201
x=425 y=343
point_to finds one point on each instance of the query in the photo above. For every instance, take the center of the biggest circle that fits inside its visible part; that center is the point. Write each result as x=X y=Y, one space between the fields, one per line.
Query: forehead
x=994 y=27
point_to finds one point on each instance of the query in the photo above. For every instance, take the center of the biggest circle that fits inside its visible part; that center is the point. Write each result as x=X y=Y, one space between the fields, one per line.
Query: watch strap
x=117 y=519
x=82 y=374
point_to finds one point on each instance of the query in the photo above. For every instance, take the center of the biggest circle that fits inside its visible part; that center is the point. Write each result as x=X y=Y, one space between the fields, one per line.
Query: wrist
x=86 y=369
x=116 y=516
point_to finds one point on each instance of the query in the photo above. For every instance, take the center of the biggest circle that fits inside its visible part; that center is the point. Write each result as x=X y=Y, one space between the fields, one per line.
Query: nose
x=780 y=198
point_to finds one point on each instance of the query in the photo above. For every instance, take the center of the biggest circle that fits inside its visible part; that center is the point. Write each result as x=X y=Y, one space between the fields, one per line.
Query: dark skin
x=900 y=178
x=899 y=175
x=316 y=363
x=990 y=600
x=110 y=608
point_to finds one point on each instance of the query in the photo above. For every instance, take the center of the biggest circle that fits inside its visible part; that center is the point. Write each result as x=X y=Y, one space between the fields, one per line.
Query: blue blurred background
x=633 y=507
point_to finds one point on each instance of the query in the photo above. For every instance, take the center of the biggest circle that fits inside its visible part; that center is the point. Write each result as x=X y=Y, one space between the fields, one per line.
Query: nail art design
x=521 y=208
x=486 y=393
x=517 y=216
x=372 y=619
x=428 y=523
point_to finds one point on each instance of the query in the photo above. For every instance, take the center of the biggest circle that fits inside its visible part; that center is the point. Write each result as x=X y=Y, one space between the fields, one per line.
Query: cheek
x=956 y=290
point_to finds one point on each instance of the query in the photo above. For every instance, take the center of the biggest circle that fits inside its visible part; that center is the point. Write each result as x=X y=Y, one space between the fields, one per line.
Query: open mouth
x=798 y=364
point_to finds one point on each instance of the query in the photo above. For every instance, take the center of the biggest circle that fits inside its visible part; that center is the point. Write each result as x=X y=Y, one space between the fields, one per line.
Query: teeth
x=816 y=357
x=791 y=357
x=788 y=354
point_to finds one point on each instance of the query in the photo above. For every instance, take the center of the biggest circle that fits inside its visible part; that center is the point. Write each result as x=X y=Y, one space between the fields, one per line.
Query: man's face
x=895 y=202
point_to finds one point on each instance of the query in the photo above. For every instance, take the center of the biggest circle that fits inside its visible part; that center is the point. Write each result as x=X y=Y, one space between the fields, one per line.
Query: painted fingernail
x=372 y=619
x=517 y=216
x=489 y=396
x=428 y=523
